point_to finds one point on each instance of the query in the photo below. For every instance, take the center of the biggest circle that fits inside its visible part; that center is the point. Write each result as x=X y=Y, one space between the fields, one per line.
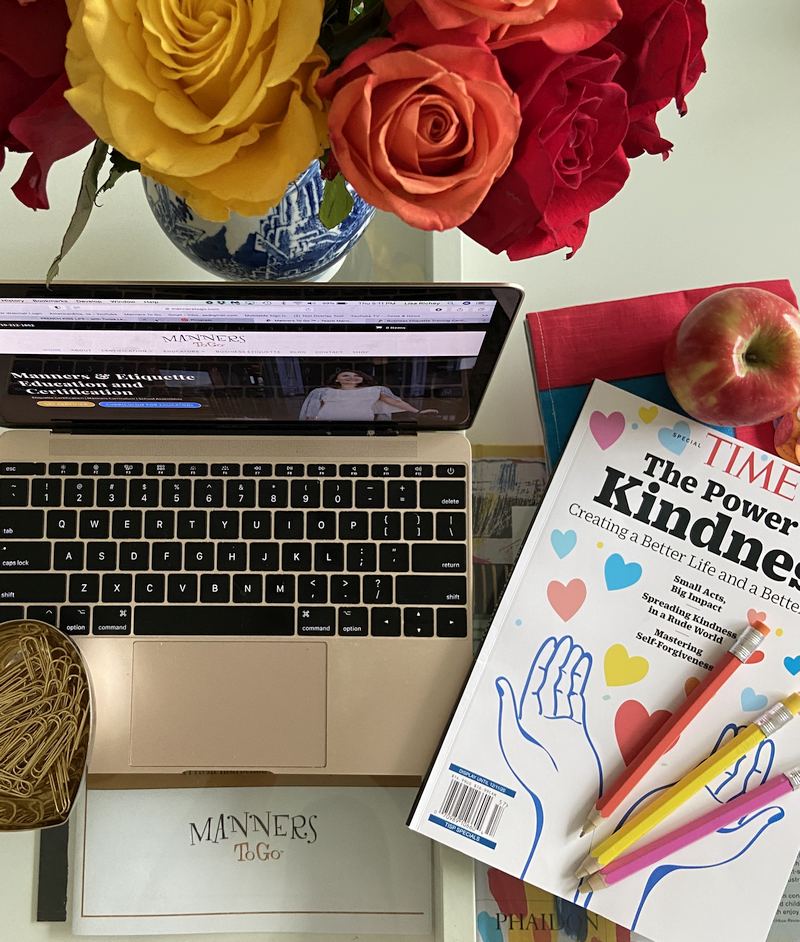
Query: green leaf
x=336 y=202
x=120 y=165
x=83 y=207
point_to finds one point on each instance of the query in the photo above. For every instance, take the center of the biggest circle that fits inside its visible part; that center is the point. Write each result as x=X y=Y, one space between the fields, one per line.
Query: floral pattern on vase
x=288 y=243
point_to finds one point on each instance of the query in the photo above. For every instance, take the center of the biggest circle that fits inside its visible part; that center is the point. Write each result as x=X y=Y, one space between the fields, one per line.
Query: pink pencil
x=676 y=840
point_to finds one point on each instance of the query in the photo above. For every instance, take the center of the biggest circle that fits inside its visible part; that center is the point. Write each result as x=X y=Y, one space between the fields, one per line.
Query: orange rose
x=421 y=133
x=564 y=25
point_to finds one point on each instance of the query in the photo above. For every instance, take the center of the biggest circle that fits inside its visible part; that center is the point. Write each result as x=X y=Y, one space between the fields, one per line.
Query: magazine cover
x=658 y=540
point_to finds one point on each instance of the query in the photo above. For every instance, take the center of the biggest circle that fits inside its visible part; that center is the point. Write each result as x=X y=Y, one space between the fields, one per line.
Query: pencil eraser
x=761 y=627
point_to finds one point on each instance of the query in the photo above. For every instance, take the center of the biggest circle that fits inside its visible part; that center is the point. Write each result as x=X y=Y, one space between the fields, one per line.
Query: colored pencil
x=625 y=866
x=666 y=737
x=641 y=823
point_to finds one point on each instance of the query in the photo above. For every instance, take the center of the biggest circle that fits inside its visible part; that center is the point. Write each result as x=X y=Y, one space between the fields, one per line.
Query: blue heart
x=752 y=700
x=619 y=574
x=675 y=439
x=792 y=664
x=563 y=542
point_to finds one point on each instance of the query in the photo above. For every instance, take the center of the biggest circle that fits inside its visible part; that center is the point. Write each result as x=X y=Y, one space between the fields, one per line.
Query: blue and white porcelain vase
x=288 y=243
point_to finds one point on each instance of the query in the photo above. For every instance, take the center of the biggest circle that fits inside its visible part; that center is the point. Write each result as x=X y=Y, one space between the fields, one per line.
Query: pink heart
x=566 y=599
x=634 y=726
x=606 y=429
x=753 y=616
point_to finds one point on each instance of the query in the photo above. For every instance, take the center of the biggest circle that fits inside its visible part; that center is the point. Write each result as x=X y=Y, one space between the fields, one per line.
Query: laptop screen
x=307 y=359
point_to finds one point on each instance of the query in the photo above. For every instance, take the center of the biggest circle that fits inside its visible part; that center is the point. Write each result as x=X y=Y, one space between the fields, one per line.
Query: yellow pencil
x=673 y=797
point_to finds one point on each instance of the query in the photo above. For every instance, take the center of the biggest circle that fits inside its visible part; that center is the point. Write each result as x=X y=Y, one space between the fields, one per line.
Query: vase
x=288 y=243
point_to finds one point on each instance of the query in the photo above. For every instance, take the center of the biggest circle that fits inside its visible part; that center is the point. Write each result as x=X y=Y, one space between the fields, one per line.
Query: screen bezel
x=507 y=298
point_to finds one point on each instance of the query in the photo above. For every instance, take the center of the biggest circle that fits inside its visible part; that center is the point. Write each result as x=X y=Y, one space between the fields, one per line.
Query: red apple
x=735 y=358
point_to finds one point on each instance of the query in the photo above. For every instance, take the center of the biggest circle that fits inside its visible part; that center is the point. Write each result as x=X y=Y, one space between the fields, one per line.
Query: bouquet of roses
x=510 y=119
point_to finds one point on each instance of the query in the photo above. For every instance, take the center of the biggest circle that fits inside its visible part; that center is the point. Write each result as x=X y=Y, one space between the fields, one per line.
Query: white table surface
x=725 y=207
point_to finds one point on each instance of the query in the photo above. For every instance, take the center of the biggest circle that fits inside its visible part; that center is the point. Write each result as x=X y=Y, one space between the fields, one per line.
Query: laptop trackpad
x=229 y=704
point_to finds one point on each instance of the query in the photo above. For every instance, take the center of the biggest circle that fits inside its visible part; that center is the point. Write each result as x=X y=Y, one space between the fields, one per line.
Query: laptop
x=250 y=507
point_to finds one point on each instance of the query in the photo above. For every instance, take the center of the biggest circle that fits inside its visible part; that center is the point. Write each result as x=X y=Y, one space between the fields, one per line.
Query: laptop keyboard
x=227 y=549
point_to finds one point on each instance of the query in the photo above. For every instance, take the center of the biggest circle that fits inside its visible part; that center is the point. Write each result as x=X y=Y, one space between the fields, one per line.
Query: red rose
x=568 y=160
x=661 y=42
x=34 y=115
x=422 y=133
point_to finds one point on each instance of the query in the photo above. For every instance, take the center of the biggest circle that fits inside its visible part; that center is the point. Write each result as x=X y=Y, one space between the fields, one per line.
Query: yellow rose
x=214 y=98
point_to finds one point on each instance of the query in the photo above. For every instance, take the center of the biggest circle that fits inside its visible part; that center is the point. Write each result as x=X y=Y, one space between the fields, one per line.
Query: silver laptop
x=250 y=506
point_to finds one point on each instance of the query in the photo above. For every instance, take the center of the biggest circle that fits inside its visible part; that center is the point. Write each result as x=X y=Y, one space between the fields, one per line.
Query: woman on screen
x=353 y=396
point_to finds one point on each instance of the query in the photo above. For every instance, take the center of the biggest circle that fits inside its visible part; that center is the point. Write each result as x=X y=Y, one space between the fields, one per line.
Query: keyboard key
x=273 y=493
x=78 y=492
x=176 y=493
x=354 y=622
x=13 y=492
x=46 y=492
x=22 y=524
x=402 y=494
x=386 y=470
x=62 y=468
x=208 y=493
x=247 y=588
x=144 y=492
x=111 y=493
x=443 y=494
x=251 y=620
x=126 y=524
x=74 y=619
x=264 y=557
x=321 y=525
x=215 y=588
x=21 y=468
x=11 y=612
x=418 y=526
x=111 y=620
x=438 y=557
x=117 y=587
x=166 y=557
x=257 y=470
x=362 y=557
x=393 y=557
x=128 y=469
x=46 y=613
x=305 y=494
x=418 y=622
x=15 y=556
x=322 y=470
x=199 y=556
x=296 y=557
x=192 y=525
x=418 y=470
x=451 y=622
x=279 y=588
x=83 y=587
x=312 y=589
x=181 y=588
x=223 y=525
x=354 y=525
x=338 y=494
x=451 y=471
x=353 y=470
x=378 y=590
x=93 y=524
x=61 y=524
x=192 y=470
x=329 y=557
x=289 y=525
x=68 y=556
x=386 y=526
x=385 y=622
x=96 y=468
x=290 y=470
x=345 y=589
x=316 y=620
x=149 y=587
x=451 y=526
x=225 y=470
x=159 y=524
x=231 y=557
x=256 y=525
x=370 y=494
x=160 y=469
x=135 y=556
x=433 y=590
x=240 y=493
x=101 y=556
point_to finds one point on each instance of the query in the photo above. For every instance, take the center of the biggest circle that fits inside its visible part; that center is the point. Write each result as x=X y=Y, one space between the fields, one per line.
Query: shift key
x=21 y=524
x=431 y=590
x=33 y=587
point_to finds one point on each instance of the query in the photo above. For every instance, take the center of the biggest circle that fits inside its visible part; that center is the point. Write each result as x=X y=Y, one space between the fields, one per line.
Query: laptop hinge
x=239 y=429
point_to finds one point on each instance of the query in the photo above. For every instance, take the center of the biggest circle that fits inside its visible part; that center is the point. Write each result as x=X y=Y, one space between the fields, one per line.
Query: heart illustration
x=753 y=616
x=634 y=726
x=675 y=439
x=606 y=429
x=619 y=574
x=689 y=684
x=755 y=658
x=567 y=599
x=753 y=701
x=648 y=413
x=622 y=669
x=563 y=542
x=792 y=664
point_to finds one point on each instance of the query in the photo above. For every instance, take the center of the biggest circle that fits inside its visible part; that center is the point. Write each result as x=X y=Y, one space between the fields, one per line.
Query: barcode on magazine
x=472 y=806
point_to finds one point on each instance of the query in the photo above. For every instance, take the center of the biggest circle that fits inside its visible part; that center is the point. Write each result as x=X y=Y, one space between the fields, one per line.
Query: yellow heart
x=621 y=669
x=648 y=413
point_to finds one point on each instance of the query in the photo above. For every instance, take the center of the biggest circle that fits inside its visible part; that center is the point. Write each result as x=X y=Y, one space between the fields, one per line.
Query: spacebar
x=179 y=620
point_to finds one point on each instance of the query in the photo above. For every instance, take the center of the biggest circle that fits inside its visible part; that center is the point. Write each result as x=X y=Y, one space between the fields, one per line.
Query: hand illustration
x=728 y=843
x=544 y=737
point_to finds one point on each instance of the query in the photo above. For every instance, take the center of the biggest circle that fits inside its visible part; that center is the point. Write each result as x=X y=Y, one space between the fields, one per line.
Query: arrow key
x=418 y=622
x=451 y=623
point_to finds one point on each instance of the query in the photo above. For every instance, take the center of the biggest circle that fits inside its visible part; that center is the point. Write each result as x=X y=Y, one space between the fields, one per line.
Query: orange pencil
x=665 y=738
